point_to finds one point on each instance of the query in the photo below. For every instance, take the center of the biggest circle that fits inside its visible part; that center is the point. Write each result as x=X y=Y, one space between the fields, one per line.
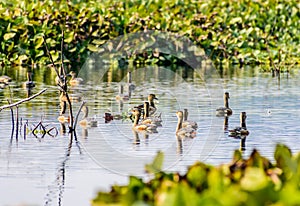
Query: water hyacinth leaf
x=92 y=48
x=8 y=36
x=283 y=157
x=38 y=42
x=98 y=41
x=254 y=179
x=180 y=194
x=289 y=194
x=69 y=37
x=54 y=54
x=156 y=165
x=197 y=175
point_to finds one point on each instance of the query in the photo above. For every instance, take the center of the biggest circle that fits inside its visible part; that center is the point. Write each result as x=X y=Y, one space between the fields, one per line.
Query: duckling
x=242 y=130
x=74 y=81
x=87 y=121
x=152 y=128
x=150 y=120
x=186 y=122
x=224 y=111
x=184 y=132
x=64 y=119
x=5 y=79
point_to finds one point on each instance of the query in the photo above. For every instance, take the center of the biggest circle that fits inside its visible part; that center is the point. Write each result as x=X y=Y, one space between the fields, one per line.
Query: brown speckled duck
x=184 y=132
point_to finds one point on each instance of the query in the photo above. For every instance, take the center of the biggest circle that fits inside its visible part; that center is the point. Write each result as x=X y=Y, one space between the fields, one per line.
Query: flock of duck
x=144 y=119
x=144 y=116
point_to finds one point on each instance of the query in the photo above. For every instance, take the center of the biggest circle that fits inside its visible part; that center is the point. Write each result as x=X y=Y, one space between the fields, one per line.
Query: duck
x=64 y=119
x=186 y=122
x=184 y=132
x=242 y=129
x=152 y=107
x=87 y=121
x=4 y=79
x=74 y=81
x=152 y=128
x=29 y=84
x=150 y=120
x=224 y=111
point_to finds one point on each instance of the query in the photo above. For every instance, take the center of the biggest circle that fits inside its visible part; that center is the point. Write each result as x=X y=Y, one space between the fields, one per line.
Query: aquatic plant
x=230 y=32
x=252 y=181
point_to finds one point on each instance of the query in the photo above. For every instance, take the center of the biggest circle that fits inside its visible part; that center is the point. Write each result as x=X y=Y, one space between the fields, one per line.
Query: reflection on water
x=55 y=171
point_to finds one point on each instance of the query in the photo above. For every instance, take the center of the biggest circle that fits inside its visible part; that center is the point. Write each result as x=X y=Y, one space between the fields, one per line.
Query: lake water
x=59 y=171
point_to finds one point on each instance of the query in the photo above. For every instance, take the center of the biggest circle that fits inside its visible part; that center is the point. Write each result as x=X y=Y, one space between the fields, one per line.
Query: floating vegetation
x=239 y=32
x=252 y=181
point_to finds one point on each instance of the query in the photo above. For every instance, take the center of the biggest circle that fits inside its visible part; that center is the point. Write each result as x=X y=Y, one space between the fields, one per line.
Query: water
x=58 y=171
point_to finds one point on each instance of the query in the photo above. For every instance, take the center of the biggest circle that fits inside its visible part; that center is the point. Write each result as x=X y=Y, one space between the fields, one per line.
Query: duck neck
x=243 y=121
x=243 y=124
x=136 y=120
x=146 y=110
x=86 y=112
x=185 y=115
x=226 y=103
x=151 y=103
x=179 y=124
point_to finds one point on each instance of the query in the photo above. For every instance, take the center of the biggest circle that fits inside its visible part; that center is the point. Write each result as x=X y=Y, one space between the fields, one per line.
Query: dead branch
x=22 y=101
x=76 y=118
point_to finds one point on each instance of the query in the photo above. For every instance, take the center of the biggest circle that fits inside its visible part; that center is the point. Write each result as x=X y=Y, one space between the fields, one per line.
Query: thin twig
x=22 y=101
x=50 y=56
x=79 y=110
x=17 y=122
x=62 y=55
x=12 y=120
x=70 y=113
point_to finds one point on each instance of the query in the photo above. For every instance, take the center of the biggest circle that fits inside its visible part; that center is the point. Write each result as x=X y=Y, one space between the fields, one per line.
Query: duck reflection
x=29 y=84
x=63 y=128
x=243 y=142
x=225 y=126
x=85 y=133
x=136 y=137
x=179 y=145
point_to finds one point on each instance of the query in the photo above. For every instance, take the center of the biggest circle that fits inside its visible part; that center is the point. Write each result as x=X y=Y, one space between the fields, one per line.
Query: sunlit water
x=58 y=171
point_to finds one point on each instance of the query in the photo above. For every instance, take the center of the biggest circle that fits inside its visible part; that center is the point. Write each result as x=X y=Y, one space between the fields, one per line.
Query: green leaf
x=156 y=165
x=8 y=36
x=69 y=37
x=38 y=42
x=254 y=179
x=93 y=48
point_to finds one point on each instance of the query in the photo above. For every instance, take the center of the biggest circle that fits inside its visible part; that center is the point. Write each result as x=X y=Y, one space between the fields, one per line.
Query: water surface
x=58 y=171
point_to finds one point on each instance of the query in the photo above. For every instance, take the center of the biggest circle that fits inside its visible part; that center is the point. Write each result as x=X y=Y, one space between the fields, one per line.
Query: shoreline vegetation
x=239 y=32
x=253 y=181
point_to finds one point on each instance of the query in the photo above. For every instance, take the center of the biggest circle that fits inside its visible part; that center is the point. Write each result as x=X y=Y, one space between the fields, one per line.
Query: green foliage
x=253 y=181
x=240 y=31
x=156 y=165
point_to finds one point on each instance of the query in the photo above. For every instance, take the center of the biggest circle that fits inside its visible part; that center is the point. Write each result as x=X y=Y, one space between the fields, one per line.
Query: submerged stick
x=12 y=120
x=17 y=122
x=22 y=101
x=76 y=118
